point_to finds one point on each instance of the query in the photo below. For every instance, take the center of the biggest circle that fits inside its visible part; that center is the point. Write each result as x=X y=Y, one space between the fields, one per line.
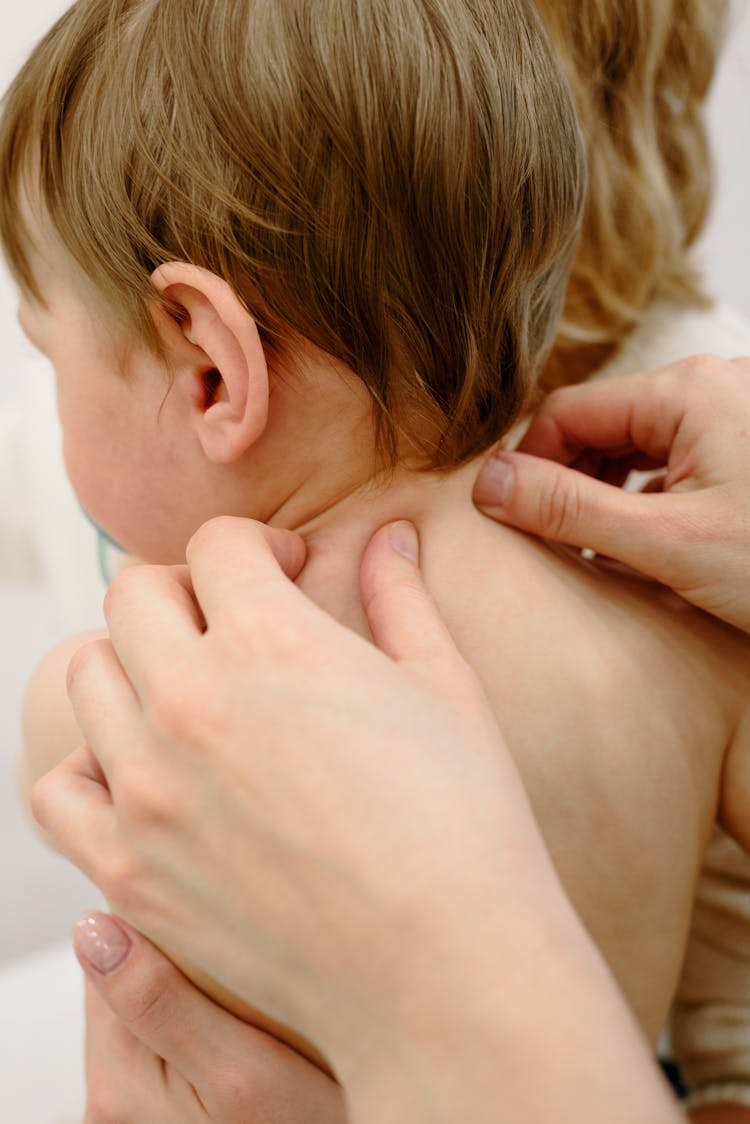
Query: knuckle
x=560 y=506
x=188 y=710
x=717 y=387
x=143 y=799
x=552 y=400
x=699 y=369
x=128 y=588
x=169 y=707
x=211 y=534
x=49 y=802
x=121 y=588
x=272 y=630
x=120 y=875
x=41 y=802
x=249 y=1082
x=559 y=403
x=83 y=661
x=553 y=405
x=242 y=1087
x=149 y=1008
x=287 y=642
x=174 y=704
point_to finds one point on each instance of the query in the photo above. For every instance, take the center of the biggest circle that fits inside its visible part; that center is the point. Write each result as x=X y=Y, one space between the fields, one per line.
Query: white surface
x=726 y=245
x=41 y=1040
x=41 y=895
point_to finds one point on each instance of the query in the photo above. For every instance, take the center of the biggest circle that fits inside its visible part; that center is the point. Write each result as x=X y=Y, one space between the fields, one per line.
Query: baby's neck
x=337 y=537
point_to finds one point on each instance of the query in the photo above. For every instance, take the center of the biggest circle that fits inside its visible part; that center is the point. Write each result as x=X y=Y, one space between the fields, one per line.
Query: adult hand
x=340 y=836
x=209 y=817
x=158 y=1051
x=693 y=535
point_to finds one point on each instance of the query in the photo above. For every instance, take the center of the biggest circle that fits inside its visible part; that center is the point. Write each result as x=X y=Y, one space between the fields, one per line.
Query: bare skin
x=621 y=730
x=622 y=713
x=410 y=1013
x=638 y=706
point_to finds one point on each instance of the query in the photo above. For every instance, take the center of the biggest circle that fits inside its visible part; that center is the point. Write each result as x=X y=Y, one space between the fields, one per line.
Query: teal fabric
x=110 y=553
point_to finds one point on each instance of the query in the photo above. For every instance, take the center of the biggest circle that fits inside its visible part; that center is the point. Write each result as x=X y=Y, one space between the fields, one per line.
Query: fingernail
x=101 y=943
x=495 y=482
x=405 y=541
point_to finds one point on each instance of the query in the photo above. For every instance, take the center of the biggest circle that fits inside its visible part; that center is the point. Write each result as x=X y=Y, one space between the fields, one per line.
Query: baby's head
x=278 y=225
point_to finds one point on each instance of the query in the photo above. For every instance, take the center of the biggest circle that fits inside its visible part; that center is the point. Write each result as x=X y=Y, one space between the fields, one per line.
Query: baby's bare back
x=619 y=705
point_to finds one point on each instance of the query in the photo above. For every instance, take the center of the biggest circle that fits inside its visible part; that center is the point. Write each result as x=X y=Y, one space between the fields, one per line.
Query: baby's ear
x=218 y=344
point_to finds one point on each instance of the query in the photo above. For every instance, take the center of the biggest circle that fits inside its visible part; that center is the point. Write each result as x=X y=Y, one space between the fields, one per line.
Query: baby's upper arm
x=50 y=731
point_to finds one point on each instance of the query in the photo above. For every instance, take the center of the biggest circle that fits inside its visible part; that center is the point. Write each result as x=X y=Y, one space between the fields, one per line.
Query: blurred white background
x=39 y=896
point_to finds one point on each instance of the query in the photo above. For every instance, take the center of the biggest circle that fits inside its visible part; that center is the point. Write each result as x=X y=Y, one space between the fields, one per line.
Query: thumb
x=404 y=620
x=149 y=996
x=565 y=506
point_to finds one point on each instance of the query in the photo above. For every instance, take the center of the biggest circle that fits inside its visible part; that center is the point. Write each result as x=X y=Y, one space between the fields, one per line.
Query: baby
x=302 y=262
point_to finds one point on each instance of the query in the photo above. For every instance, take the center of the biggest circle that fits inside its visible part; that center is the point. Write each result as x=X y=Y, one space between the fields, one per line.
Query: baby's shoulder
x=551 y=633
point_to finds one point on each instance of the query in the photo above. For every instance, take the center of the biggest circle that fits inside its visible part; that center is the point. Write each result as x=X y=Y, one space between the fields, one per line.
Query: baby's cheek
x=88 y=478
x=145 y=500
x=142 y=528
x=100 y=494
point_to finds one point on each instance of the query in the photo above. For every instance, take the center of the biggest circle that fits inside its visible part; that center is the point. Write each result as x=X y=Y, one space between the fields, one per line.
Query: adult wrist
x=545 y=1037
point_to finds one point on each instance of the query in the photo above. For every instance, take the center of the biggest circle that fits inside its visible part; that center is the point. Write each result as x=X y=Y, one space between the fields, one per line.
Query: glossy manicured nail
x=100 y=943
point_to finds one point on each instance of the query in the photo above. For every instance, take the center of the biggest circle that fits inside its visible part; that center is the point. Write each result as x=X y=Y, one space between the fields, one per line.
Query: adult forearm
x=552 y=1042
x=489 y=1081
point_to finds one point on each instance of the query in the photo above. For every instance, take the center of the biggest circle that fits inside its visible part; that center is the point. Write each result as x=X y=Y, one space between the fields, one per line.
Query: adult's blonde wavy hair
x=639 y=70
x=399 y=182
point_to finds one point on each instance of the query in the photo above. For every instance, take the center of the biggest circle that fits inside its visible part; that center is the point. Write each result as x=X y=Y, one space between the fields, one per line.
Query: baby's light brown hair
x=399 y=182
